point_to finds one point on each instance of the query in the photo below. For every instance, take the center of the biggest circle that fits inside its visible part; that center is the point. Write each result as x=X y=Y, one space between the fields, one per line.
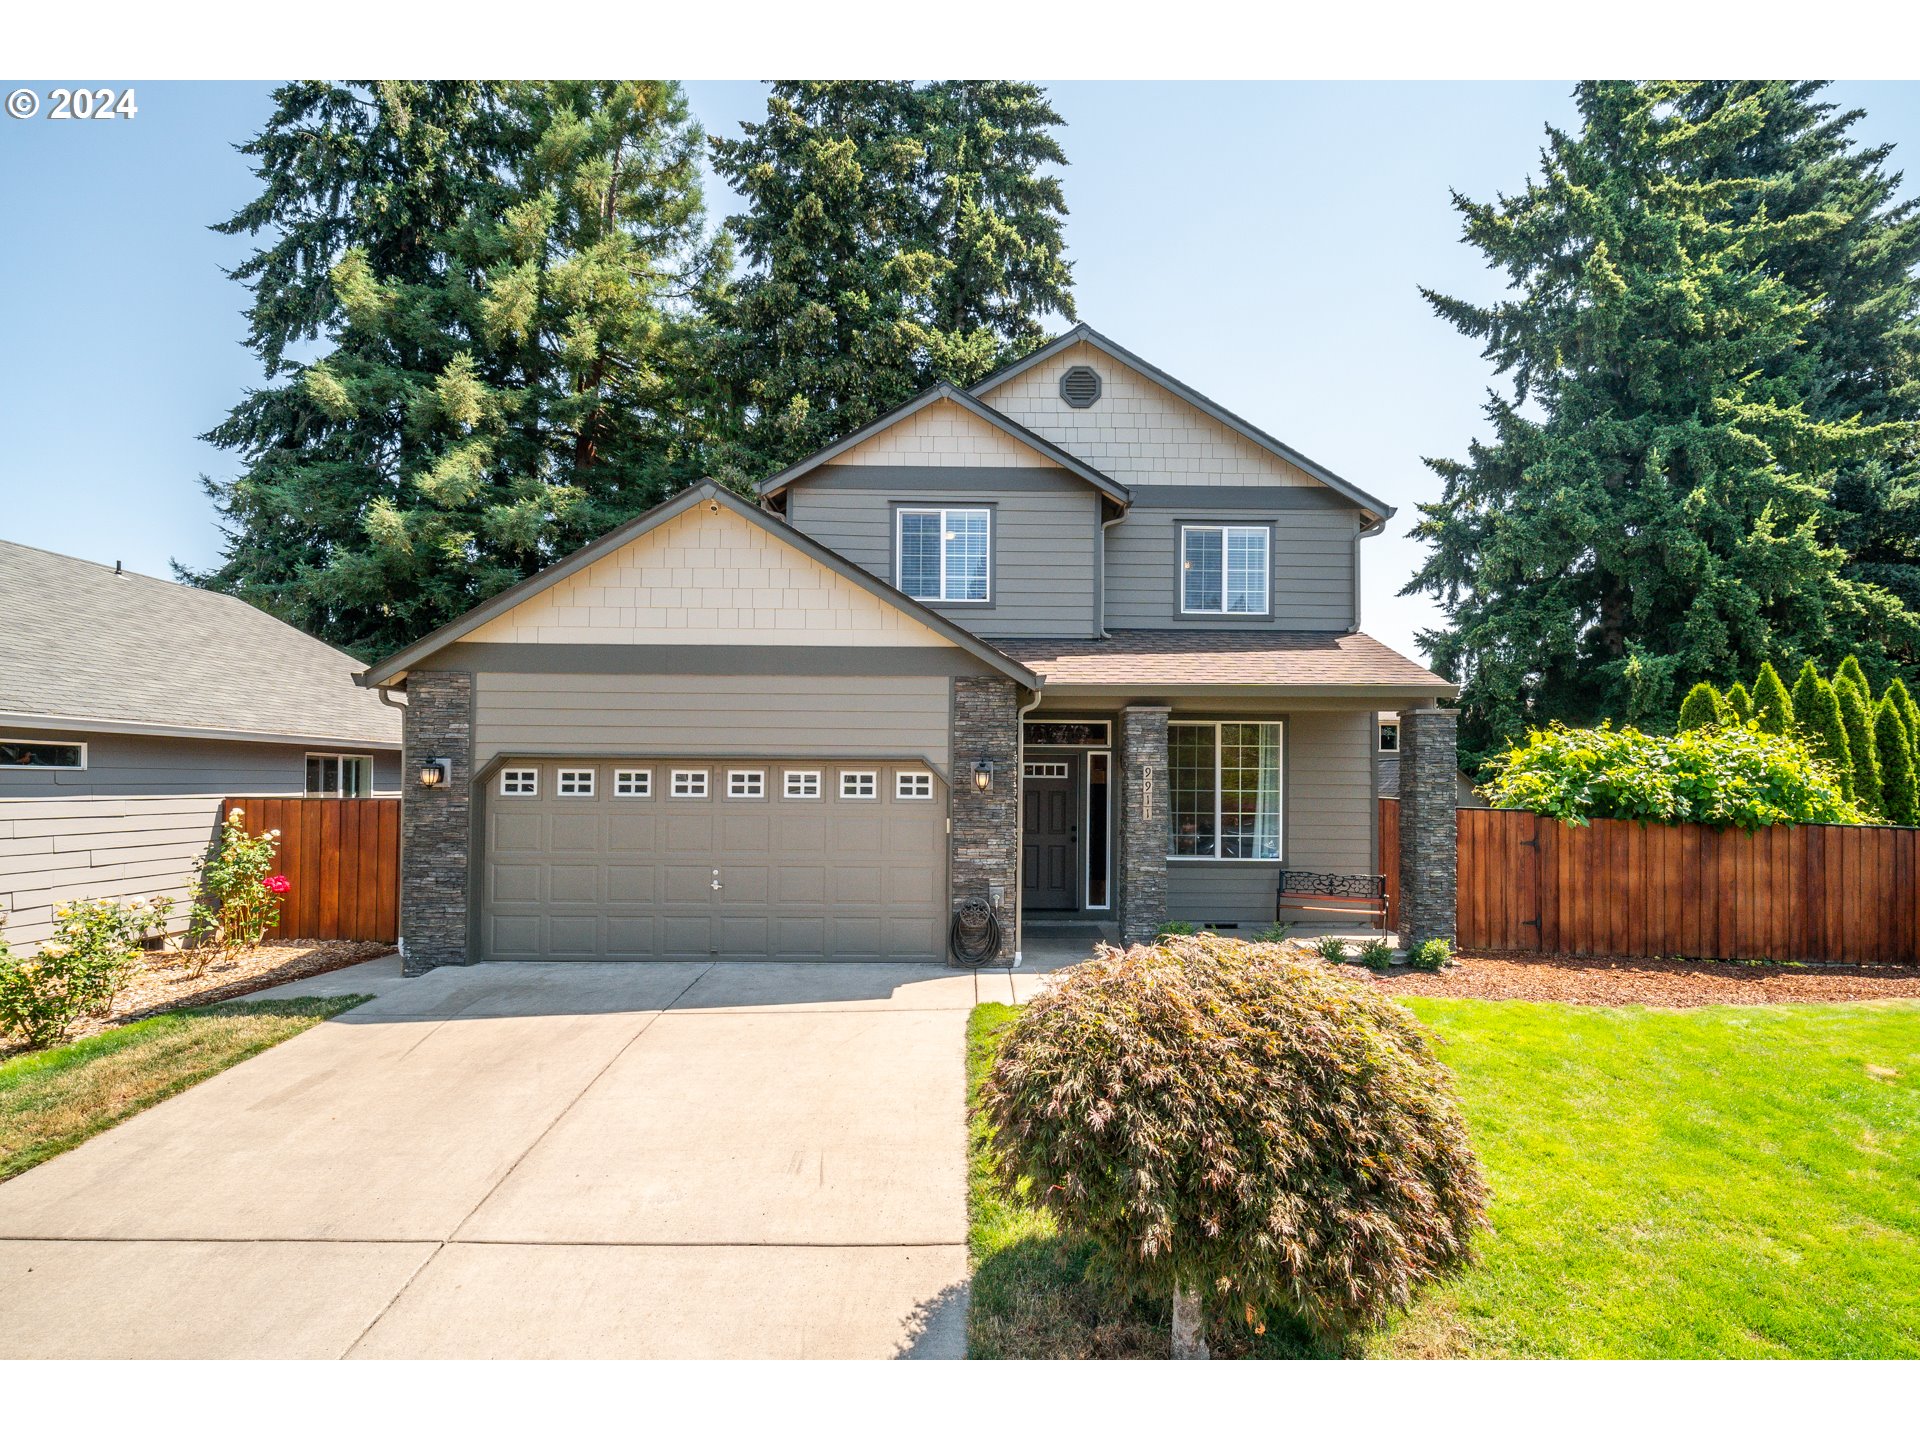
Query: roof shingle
x=79 y=642
x=1304 y=659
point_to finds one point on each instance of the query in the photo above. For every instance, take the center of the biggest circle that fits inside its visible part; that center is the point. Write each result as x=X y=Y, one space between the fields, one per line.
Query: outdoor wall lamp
x=433 y=773
x=983 y=775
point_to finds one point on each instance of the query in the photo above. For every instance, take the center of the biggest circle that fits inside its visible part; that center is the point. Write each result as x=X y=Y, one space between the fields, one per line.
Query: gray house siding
x=1045 y=535
x=133 y=822
x=1313 y=552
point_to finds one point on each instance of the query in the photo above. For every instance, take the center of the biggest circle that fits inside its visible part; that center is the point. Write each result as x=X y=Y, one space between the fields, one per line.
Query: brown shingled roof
x=1300 y=659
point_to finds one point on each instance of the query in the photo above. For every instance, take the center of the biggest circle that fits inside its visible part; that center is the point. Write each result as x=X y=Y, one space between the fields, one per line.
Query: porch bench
x=1313 y=891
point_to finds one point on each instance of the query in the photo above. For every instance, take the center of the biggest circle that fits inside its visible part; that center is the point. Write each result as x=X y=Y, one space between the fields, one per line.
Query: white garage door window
x=589 y=861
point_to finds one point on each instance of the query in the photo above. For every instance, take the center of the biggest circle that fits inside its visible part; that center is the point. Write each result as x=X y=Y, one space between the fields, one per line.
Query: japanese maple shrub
x=237 y=898
x=1245 y=1133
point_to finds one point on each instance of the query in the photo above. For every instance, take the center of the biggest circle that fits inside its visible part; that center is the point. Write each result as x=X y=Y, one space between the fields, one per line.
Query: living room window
x=1223 y=569
x=1224 y=784
x=343 y=777
x=943 y=553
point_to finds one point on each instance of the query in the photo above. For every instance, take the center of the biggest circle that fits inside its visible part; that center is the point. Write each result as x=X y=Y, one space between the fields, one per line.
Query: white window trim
x=334 y=755
x=674 y=791
x=804 y=776
x=629 y=777
x=564 y=778
x=757 y=777
x=1265 y=532
x=920 y=780
x=900 y=546
x=1380 y=738
x=1219 y=818
x=26 y=740
x=506 y=775
x=872 y=777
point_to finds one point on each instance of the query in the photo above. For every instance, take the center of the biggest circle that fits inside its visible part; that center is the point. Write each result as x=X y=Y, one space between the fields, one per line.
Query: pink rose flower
x=279 y=884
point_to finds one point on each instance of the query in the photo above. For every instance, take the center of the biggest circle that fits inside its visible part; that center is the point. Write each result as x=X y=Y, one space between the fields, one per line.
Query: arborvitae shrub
x=1772 y=706
x=1740 y=702
x=1826 y=734
x=1893 y=747
x=1856 y=712
x=1702 y=708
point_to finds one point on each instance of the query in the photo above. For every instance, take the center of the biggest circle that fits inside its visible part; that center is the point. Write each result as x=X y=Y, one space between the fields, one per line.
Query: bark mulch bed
x=166 y=981
x=1671 y=984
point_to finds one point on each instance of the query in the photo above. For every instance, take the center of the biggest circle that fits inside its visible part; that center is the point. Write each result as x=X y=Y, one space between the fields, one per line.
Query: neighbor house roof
x=395 y=666
x=85 y=648
x=1087 y=335
x=1042 y=446
x=1304 y=661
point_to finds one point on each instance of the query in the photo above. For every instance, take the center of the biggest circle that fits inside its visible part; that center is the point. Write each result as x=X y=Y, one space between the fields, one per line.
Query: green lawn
x=1736 y=1181
x=52 y=1100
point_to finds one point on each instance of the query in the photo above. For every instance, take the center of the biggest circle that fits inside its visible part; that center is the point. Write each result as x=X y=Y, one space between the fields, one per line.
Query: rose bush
x=237 y=896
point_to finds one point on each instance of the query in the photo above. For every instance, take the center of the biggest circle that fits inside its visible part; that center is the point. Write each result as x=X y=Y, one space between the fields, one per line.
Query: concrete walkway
x=725 y=1160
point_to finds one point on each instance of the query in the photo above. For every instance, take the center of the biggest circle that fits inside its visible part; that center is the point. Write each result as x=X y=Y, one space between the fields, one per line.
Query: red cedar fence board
x=342 y=858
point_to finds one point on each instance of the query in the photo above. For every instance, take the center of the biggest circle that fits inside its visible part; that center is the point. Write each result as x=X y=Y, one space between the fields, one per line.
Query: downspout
x=1100 y=623
x=1019 y=825
x=1367 y=532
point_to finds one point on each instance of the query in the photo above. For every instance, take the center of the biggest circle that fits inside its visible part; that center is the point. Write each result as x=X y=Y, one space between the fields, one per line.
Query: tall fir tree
x=895 y=234
x=1824 y=731
x=1772 y=706
x=1893 y=749
x=523 y=378
x=1856 y=713
x=1652 y=506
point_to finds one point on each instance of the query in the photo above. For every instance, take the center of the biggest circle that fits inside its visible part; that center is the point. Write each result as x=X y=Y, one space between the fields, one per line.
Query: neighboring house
x=1387 y=768
x=131 y=707
x=1076 y=641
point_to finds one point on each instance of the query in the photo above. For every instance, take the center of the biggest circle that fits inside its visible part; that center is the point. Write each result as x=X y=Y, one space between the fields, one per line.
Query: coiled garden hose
x=975 y=936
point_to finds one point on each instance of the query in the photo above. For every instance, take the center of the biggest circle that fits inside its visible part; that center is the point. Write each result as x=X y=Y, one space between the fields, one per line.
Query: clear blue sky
x=1262 y=242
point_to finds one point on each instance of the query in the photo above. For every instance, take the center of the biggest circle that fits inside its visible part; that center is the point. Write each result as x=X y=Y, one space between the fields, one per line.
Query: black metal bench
x=1314 y=891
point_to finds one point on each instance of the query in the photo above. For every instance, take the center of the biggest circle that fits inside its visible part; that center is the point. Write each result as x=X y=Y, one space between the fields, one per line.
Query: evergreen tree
x=1703 y=708
x=510 y=374
x=1910 y=712
x=1653 y=501
x=895 y=234
x=1825 y=734
x=1856 y=713
x=1862 y=345
x=1850 y=669
x=1740 y=703
x=1772 y=706
x=1893 y=748
x=1804 y=685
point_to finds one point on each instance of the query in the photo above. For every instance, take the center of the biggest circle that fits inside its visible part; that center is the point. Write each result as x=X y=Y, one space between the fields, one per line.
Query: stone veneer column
x=1429 y=825
x=1142 y=867
x=435 y=825
x=986 y=827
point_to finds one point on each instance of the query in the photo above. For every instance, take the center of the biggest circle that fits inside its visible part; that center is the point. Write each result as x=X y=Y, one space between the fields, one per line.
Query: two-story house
x=1077 y=642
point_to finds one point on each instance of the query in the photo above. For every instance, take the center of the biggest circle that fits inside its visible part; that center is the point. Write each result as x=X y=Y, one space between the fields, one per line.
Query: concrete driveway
x=725 y=1160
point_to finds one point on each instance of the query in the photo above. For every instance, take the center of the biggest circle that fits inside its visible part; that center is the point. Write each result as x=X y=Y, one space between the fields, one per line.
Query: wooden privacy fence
x=1820 y=893
x=343 y=860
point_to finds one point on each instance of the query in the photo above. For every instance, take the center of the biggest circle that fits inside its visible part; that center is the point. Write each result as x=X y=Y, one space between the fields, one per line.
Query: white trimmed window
x=1223 y=782
x=803 y=785
x=688 y=785
x=944 y=553
x=17 y=754
x=637 y=784
x=1390 y=737
x=746 y=784
x=1223 y=569
x=575 y=782
x=519 y=782
x=344 y=777
x=913 y=785
x=859 y=784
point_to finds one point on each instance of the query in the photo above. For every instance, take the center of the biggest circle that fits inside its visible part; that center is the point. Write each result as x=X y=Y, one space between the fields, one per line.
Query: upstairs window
x=1223 y=570
x=943 y=553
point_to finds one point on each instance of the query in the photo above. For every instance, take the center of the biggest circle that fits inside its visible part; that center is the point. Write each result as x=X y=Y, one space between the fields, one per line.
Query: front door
x=1051 y=863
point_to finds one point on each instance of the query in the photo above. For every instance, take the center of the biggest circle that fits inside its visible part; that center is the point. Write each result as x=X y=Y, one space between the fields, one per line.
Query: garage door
x=653 y=860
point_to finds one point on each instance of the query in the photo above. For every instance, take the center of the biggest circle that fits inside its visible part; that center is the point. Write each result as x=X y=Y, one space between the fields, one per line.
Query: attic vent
x=1080 y=387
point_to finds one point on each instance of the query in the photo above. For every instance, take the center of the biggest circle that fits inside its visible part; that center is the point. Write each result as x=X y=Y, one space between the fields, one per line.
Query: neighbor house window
x=913 y=785
x=43 y=755
x=689 y=785
x=1389 y=735
x=746 y=784
x=1223 y=569
x=1224 y=790
x=803 y=784
x=859 y=784
x=635 y=783
x=943 y=553
x=575 y=782
x=345 y=777
x=519 y=782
